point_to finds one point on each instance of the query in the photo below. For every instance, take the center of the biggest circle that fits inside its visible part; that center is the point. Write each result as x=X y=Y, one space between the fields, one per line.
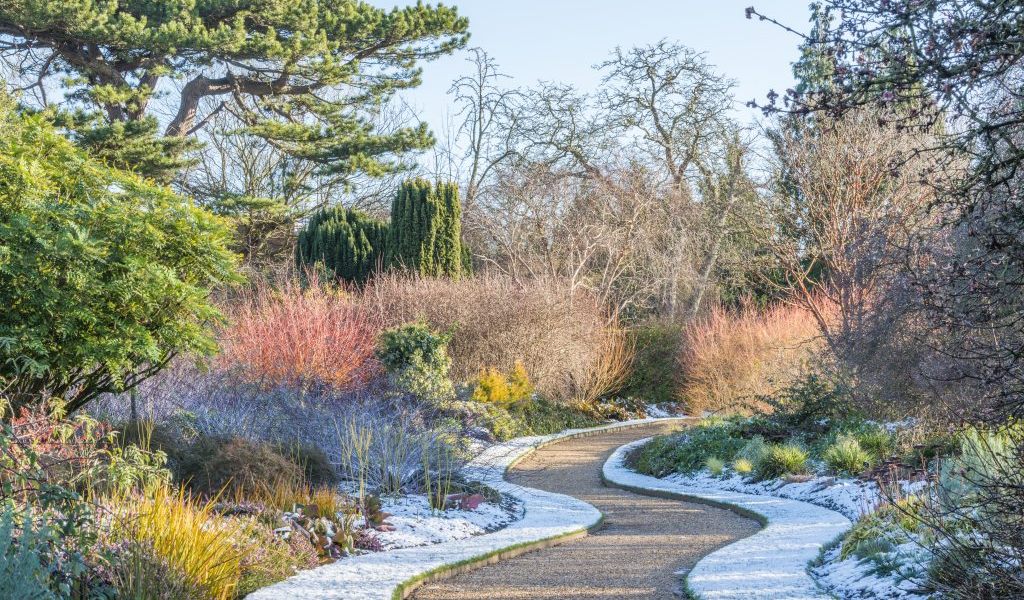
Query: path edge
x=407 y=587
x=612 y=477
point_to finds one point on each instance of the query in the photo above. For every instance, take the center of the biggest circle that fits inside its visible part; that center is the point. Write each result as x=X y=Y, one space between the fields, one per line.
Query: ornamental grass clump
x=742 y=466
x=715 y=466
x=173 y=529
x=780 y=460
x=846 y=456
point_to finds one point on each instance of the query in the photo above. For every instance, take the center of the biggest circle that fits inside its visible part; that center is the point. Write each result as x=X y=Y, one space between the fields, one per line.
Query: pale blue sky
x=560 y=40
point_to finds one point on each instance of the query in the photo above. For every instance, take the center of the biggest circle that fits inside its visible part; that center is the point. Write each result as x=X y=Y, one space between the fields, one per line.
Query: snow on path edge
x=378 y=576
x=772 y=563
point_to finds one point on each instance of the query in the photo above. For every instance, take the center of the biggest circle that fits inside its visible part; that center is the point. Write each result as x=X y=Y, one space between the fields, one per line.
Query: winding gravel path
x=642 y=544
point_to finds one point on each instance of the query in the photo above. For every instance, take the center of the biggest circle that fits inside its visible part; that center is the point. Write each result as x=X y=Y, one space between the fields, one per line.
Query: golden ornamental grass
x=185 y=534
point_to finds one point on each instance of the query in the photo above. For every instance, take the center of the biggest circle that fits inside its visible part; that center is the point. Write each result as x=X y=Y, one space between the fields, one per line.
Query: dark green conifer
x=347 y=242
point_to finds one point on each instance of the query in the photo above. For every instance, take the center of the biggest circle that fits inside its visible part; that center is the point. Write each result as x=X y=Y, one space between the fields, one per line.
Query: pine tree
x=302 y=74
x=347 y=242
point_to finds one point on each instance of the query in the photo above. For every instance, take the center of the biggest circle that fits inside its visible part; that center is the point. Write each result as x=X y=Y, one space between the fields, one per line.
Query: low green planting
x=688 y=451
x=846 y=456
x=780 y=460
x=812 y=428
x=536 y=416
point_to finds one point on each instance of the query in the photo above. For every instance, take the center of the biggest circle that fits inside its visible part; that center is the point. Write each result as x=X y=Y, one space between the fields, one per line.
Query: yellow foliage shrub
x=495 y=387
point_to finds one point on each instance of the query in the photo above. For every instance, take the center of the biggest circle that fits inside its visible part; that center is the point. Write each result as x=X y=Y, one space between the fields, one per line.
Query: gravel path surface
x=643 y=543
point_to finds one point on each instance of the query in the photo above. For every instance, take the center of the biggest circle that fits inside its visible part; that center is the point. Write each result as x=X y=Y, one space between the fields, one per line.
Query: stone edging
x=772 y=563
x=548 y=519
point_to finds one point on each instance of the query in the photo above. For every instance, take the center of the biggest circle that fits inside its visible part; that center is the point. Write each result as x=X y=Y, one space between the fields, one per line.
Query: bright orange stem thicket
x=732 y=356
x=295 y=336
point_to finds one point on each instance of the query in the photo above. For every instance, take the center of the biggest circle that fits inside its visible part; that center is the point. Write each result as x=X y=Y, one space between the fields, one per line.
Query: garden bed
x=828 y=466
x=383 y=575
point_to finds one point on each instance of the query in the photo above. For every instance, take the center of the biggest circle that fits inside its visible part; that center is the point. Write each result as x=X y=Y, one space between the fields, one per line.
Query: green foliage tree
x=426 y=229
x=104 y=277
x=348 y=242
x=308 y=76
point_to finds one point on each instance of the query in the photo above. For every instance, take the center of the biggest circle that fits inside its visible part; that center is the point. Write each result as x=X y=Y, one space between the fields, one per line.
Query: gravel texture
x=637 y=553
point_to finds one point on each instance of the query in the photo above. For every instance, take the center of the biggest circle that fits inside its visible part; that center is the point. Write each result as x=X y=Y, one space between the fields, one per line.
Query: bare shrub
x=731 y=357
x=294 y=336
x=612 y=366
x=558 y=336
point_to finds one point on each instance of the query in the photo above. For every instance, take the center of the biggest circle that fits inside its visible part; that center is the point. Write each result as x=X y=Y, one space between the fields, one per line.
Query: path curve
x=637 y=552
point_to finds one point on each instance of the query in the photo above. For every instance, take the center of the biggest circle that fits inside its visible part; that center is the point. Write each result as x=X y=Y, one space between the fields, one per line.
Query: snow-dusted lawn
x=771 y=563
x=376 y=576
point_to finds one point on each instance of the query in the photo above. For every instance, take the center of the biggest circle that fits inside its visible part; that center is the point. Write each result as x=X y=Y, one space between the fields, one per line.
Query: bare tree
x=850 y=203
x=488 y=114
x=633 y=193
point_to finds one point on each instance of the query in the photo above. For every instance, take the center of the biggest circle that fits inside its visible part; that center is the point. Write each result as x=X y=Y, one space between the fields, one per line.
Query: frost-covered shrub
x=846 y=456
x=782 y=459
x=382 y=451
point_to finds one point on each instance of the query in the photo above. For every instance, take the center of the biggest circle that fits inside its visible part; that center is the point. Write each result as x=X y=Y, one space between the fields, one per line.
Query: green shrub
x=981 y=460
x=715 y=466
x=655 y=374
x=501 y=424
x=781 y=459
x=347 y=242
x=871 y=536
x=22 y=572
x=846 y=456
x=754 y=449
x=811 y=405
x=417 y=360
x=104 y=276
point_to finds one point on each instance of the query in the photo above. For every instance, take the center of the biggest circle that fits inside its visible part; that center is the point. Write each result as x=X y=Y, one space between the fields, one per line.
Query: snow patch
x=416 y=524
